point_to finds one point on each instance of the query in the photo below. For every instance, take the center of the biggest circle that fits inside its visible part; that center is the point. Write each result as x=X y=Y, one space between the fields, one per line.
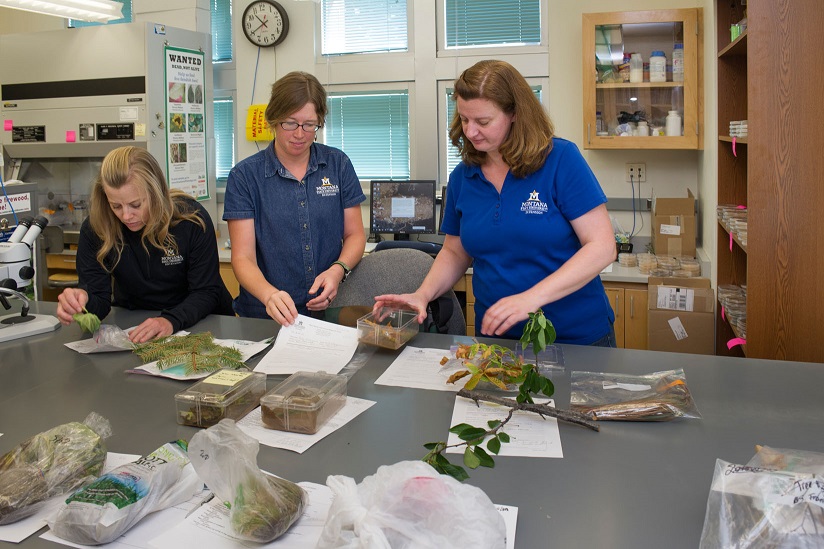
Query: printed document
x=420 y=368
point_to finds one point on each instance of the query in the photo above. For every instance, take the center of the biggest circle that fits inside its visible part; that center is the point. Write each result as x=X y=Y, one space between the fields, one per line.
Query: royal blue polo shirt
x=522 y=235
x=298 y=224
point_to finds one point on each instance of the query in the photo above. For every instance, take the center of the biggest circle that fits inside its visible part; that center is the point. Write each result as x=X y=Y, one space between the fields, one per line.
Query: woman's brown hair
x=530 y=137
x=290 y=93
x=166 y=207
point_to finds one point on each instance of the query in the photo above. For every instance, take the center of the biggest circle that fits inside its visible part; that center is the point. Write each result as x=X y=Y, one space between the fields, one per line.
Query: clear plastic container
x=304 y=402
x=388 y=327
x=226 y=394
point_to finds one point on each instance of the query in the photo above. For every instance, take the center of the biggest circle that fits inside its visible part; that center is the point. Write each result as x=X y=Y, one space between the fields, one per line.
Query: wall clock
x=265 y=23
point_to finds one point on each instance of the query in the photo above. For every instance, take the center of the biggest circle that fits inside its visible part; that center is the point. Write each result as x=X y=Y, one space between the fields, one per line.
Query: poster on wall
x=186 y=122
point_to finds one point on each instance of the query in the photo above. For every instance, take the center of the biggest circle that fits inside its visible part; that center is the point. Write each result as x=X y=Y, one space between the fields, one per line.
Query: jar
x=658 y=67
x=673 y=124
x=643 y=128
x=636 y=68
x=678 y=62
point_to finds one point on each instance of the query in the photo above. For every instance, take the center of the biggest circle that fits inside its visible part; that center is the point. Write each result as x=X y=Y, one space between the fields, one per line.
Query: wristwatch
x=346 y=269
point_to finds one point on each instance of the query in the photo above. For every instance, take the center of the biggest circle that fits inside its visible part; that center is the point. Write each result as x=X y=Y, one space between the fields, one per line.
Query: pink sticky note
x=8 y=125
x=71 y=136
x=736 y=341
x=722 y=314
x=741 y=207
x=733 y=147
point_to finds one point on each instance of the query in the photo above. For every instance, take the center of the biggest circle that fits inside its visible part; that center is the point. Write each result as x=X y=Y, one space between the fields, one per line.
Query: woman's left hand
x=506 y=313
x=150 y=329
x=327 y=284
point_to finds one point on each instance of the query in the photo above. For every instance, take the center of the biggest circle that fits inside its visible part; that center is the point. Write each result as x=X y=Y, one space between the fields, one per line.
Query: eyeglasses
x=308 y=127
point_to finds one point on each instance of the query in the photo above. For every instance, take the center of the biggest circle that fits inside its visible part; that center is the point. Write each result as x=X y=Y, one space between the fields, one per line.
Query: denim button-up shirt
x=298 y=224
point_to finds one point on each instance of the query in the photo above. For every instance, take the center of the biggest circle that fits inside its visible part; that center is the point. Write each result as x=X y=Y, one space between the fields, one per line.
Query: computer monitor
x=443 y=207
x=402 y=208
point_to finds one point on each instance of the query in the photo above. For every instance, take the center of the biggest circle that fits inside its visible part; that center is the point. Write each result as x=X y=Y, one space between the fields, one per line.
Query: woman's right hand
x=70 y=302
x=414 y=301
x=281 y=308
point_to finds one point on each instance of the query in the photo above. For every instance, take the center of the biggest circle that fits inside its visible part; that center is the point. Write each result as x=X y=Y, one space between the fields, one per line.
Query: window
x=373 y=130
x=452 y=156
x=224 y=138
x=221 y=30
x=472 y=23
x=363 y=26
x=126 y=11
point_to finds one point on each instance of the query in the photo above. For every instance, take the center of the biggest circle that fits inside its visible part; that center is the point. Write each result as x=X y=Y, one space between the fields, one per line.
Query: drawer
x=61 y=261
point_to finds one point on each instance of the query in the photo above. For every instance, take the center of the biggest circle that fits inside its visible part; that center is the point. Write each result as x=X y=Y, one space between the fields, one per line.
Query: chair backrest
x=393 y=271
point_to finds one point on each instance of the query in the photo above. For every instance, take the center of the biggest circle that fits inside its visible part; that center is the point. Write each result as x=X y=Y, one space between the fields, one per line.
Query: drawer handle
x=632 y=306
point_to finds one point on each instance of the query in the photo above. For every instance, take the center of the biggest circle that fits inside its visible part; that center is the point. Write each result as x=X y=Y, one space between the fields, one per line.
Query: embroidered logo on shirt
x=327 y=188
x=533 y=205
x=171 y=257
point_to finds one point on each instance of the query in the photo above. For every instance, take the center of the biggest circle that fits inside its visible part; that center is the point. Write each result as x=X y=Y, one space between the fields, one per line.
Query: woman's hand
x=506 y=313
x=414 y=301
x=150 y=329
x=327 y=284
x=281 y=308
x=70 y=302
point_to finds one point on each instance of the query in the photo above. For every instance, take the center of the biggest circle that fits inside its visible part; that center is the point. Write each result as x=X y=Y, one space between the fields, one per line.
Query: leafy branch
x=196 y=352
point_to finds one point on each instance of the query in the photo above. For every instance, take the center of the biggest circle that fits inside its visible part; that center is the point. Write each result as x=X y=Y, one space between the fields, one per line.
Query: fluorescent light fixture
x=100 y=11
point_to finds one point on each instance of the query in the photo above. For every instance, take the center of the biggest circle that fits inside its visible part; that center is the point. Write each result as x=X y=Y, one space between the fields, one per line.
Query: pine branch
x=195 y=352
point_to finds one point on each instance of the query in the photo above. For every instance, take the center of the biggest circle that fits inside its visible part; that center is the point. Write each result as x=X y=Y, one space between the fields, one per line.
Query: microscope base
x=13 y=327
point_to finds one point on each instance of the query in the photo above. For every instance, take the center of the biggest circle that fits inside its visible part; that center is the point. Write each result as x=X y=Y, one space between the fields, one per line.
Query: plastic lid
x=678 y=46
x=657 y=53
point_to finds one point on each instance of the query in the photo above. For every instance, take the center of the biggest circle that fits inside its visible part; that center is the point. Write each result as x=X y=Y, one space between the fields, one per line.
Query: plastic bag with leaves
x=102 y=511
x=659 y=396
x=49 y=464
x=408 y=505
x=261 y=507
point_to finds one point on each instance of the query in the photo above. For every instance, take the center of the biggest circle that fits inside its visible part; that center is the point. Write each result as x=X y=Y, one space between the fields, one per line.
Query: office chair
x=393 y=271
x=432 y=248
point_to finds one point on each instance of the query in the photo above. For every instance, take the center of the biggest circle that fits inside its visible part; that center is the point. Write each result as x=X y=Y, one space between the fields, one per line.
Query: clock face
x=265 y=23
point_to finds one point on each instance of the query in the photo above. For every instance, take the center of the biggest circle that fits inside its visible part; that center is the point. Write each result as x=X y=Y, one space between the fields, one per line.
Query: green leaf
x=88 y=322
x=431 y=445
x=472 y=434
x=456 y=471
x=493 y=423
x=548 y=389
x=541 y=321
x=470 y=459
x=485 y=459
x=461 y=427
x=473 y=381
x=441 y=460
x=494 y=445
x=541 y=343
x=503 y=437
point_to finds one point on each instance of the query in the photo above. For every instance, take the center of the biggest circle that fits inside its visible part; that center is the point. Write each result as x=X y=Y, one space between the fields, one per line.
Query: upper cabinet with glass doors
x=642 y=80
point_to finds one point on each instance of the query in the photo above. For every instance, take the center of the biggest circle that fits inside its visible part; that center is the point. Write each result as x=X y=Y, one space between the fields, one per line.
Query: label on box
x=670 y=229
x=675 y=299
x=228 y=377
x=677 y=328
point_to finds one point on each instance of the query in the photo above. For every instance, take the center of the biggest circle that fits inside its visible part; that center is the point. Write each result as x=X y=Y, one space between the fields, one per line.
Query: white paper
x=677 y=328
x=510 y=514
x=626 y=386
x=20 y=530
x=530 y=434
x=253 y=426
x=607 y=269
x=421 y=368
x=209 y=527
x=310 y=345
x=247 y=349
x=670 y=229
x=675 y=299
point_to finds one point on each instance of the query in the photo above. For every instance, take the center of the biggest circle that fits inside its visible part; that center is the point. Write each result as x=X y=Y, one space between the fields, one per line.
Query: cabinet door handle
x=632 y=306
x=617 y=308
x=589 y=139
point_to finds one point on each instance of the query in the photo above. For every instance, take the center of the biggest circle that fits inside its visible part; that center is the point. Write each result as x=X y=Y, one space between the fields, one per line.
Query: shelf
x=613 y=85
x=736 y=47
x=728 y=139
x=734 y=238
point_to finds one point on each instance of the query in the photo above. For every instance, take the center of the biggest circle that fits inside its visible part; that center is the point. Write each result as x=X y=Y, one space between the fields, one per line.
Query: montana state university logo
x=533 y=205
x=171 y=257
x=327 y=188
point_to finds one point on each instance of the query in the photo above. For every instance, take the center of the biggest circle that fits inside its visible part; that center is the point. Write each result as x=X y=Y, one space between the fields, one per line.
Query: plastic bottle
x=636 y=68
x=673 y=124
x=658 y=67
x=678 y=62
x=643 y=128
x=599 y=124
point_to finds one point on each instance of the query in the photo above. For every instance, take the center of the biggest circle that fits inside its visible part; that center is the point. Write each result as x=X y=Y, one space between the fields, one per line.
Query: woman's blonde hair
x=133 y=165
x=530 y=137
x=291 y=93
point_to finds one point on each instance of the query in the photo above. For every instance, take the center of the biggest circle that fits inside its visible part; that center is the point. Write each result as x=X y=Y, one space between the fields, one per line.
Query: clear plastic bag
x=262 y=507
x=659 y=396
x=49 y=464
x=753 y=507
x=113 y=336
x=103 y=510
x=409 y=505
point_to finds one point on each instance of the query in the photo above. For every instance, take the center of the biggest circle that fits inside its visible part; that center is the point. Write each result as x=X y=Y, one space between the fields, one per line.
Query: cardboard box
x=681 y=316
x=673 y=226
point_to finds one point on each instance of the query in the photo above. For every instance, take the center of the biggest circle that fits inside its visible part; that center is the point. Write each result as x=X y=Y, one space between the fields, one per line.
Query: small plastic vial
x=678 y=62
x=658 y=67
x=673 y=124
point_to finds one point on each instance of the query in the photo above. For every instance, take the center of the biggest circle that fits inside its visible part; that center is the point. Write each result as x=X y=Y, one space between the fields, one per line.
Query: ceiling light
x=100 y=11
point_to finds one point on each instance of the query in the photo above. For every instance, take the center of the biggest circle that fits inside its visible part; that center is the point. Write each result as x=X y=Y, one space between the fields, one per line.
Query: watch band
x=345 y=267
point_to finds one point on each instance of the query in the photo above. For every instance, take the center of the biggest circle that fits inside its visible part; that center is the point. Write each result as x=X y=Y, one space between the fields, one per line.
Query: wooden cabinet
x=772 y=78
x=464 y=284
x=607 y=37
x=229 y=279
x=629 y=303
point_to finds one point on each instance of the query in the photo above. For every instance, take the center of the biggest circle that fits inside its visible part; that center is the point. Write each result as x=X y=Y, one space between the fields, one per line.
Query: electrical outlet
x=636 y=173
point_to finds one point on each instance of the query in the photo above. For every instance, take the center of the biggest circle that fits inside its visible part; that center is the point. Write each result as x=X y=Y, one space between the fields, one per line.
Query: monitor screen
x=443 y=207
x=402 y=208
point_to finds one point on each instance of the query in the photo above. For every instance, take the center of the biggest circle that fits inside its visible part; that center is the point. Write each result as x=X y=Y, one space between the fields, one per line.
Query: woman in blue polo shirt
x=525 y=211
x=293 y=211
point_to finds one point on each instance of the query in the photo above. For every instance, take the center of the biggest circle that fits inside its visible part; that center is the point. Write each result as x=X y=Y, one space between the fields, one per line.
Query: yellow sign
x=256 y=127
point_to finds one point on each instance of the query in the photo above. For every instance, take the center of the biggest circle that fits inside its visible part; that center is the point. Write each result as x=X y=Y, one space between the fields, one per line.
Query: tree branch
x=541 y=409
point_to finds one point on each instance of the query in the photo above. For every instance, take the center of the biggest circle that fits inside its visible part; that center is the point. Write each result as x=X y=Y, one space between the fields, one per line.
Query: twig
x=540 y=409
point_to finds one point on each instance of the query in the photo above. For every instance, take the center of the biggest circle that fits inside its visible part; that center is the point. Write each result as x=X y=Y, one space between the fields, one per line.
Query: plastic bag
x=113 y=336
x=409 y=505
x=49 y=464
x=103 y=510
x=262 y=507
x=754 y=507
x=797 y=461
x=660 y=396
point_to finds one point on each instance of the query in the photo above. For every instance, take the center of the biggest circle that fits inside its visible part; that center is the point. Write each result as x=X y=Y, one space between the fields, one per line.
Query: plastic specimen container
x=388 y=327
x=303 y=402
x=225 y=394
